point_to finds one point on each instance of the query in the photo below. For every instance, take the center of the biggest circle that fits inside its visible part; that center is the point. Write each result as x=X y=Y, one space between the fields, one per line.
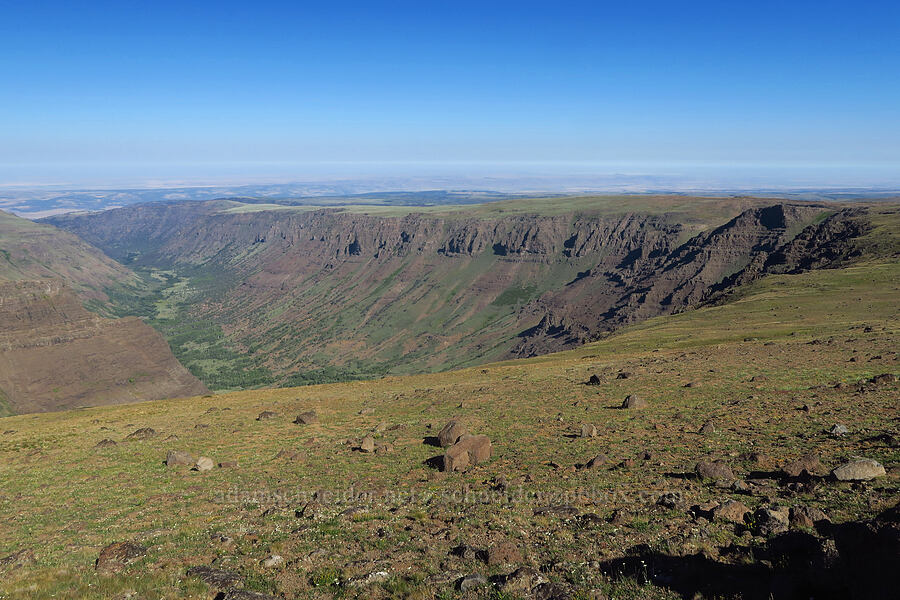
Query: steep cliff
x=299 y=289
x=56 y=355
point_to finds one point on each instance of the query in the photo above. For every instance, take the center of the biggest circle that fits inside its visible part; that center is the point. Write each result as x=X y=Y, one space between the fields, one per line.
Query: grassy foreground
x=762 y=370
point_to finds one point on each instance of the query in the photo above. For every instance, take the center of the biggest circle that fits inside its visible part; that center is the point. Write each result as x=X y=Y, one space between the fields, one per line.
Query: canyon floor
x=299 y=511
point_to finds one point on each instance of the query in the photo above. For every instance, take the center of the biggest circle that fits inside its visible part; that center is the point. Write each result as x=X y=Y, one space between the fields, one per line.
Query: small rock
x=633 y=402
x=472 y=582
x=239 y=594
x=732 y=511
x=714 y=470
x=550 y=591
x=115 y=557
x=597 y=462
x=594 y=380
x=272 y=562
x=470 y=449
x=367 y=444
x=371 y=578
x=179 y=457
x=623 y=375
x=145 y=433
x=771 y=521
x=228 y=464
x=215 y=578
x=588 y=430
x=308 y=418
x=107 y=443
x=839 y=430
x=502 y=554
x=450 y=433
x=740 y=486
x=266 y=415
x=204 y=464
x=708 y=428
x=522 y=581
x=861 y=469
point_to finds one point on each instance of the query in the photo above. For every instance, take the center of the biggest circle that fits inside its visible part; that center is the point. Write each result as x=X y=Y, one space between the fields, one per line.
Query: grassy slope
x=65 y=499
x=31 y=250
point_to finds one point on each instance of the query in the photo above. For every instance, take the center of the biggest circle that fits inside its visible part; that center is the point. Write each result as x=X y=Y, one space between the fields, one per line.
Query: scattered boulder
x=307 y=418
x=472 y=582
x=588 y=430
x=522 y=581
x=594 y=380
x=266 y=415
x=370 y=579
x=179 y=457
x=107 y=443
x=367 y=444
x=469 y=450
x=561 y=510
x=623 y=374
x=732 y=511
x=860 y=469
x=550 y=591
x=450 y=433
x=771 y=521
x=839 y=430
x=715 y=470
x=272 y=562
x=597 y=462
x=228 y=464
x=115 y=557
x=808 y=464
x=633 y=402
x=144 y=433
x=503 y=553
x=884 y=379
x=215 y=578
x=204 y=464
x=708 y=428
x=239 y=594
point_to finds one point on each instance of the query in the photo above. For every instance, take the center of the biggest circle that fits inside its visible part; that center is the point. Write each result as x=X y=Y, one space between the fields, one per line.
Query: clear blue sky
x=204 y=82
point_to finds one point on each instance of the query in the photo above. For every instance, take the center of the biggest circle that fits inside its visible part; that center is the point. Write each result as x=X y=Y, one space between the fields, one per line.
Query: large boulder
x=450 y=433
x=469 y=450
x=588 y=430
x=860 y=469
x=771 y=521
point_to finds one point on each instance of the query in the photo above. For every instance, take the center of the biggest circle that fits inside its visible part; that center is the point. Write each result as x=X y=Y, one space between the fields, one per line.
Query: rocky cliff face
x=56 y=355
x=406 y=293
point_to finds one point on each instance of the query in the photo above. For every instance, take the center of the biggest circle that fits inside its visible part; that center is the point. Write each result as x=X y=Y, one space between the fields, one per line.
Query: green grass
x=65 y=499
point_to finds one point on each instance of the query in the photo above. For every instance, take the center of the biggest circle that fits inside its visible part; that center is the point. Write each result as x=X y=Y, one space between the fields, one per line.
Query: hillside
x=290 y=295
x=758 y=382
x=30 y=250
x=56 y=355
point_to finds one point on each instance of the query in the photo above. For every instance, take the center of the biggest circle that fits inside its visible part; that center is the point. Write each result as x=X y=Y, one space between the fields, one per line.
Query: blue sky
x=99 y=84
